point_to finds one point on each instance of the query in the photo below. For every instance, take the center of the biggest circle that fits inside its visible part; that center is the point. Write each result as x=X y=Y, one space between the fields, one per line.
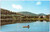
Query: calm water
x=34 y=26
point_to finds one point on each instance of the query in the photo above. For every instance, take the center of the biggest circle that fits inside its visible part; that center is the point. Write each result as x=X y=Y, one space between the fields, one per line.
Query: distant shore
x=8 y=17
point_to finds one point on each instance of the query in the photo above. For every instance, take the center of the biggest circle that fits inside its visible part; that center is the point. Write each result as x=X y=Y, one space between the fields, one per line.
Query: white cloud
x=16 y=6
x=0 y=0
x=45 y=9
x=38 y=3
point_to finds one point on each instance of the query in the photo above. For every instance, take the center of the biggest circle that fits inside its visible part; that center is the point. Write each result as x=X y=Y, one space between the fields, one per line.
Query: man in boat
x=26 y=26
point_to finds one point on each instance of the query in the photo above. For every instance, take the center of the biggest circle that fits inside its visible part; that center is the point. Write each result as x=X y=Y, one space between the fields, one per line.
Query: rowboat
x=26 y=26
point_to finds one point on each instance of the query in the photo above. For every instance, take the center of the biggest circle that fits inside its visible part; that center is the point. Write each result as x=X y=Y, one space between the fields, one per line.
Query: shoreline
x=5 y=23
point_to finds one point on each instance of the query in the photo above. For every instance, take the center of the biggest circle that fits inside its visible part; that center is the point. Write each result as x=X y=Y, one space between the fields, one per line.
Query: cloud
x=45 y=9
x=16 y=6
x=38 y=3
x=0 y=0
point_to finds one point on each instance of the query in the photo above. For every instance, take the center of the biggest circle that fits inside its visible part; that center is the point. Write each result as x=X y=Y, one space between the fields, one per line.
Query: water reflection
x=34 y=26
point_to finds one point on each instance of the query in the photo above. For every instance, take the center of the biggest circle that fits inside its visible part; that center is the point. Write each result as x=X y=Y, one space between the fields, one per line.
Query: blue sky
x=29 y=6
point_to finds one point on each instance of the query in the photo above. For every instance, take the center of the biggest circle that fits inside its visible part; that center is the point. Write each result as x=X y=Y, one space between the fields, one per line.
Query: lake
x=34 y=26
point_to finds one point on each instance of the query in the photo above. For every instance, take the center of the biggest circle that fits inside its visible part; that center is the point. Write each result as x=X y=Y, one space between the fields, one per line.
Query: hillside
x=7 y=12
x=42 y=14
x=28 y=13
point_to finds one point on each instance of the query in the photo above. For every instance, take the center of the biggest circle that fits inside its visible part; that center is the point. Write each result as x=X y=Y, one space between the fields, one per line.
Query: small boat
x=26 y=26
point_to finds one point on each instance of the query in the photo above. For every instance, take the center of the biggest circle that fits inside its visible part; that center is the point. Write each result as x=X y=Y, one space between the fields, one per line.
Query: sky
x=29 y=6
